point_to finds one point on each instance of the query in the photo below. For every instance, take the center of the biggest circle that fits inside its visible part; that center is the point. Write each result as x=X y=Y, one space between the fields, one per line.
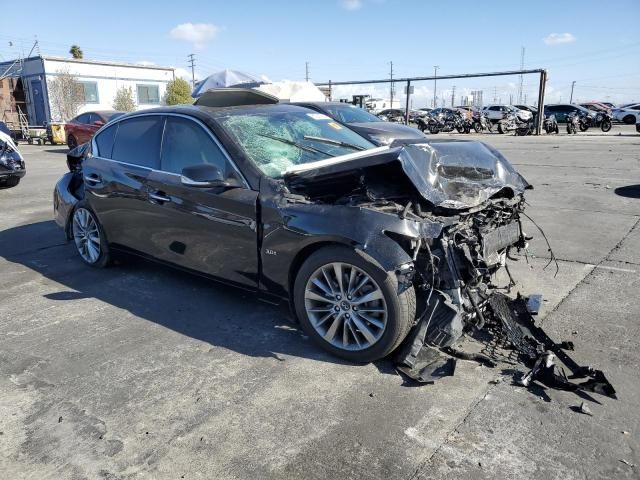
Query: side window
x=92 y=118
x=186 y=144
x=138 y=141
x=104 y=141
x=84 y=118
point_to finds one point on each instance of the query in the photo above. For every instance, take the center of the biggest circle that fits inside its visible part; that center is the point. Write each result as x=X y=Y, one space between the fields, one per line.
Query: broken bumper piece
x=428 y=353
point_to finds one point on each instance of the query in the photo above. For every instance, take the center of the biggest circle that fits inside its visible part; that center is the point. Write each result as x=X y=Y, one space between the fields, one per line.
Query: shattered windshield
x=350 y=113
x=275 y=141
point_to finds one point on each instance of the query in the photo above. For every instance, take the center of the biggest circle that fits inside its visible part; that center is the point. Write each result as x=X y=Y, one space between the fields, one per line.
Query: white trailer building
x=100 y=81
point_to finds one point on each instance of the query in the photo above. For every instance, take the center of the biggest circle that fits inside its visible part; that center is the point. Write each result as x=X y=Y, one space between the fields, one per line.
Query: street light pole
x=435 y=84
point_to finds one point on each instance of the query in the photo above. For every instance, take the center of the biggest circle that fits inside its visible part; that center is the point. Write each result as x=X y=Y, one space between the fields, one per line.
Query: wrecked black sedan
x=371 y=245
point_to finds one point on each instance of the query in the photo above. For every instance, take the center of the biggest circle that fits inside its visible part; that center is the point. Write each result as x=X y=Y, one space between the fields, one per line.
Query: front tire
x=629 y=119
x=606 y=125
x=351 y=307
x=89 y=237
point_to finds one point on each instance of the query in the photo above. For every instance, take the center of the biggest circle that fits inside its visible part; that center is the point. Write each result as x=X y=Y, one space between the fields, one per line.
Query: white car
x=497 y=112
x=628 y=114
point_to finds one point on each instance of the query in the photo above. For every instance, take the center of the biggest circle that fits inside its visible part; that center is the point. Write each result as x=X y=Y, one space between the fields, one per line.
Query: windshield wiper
x=295 y=144
x=331 y=141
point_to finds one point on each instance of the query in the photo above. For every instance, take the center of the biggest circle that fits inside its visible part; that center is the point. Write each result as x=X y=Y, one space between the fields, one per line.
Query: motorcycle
x=462 y=122
x=481 y=123
x=601 y=119
x=573 y=123
x=508 y=123
x=550 y=124
x=524 y=127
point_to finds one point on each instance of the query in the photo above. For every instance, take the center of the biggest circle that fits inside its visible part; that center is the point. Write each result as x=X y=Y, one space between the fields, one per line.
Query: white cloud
x=351 y=4
x=559 y=38
x=199 y=34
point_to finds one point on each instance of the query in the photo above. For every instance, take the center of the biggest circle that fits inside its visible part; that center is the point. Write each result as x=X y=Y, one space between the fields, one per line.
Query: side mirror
x=98 y=123
x=205 y=176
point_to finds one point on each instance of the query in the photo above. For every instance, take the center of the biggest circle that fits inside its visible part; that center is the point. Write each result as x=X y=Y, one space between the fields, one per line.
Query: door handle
x=159 y=197
x=92 y=179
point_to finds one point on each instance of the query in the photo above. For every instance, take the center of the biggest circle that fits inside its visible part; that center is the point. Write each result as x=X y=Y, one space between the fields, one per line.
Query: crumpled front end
x=476 y=199
x=11 y=161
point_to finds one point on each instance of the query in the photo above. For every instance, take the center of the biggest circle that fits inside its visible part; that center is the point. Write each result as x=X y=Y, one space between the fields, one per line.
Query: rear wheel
x=606 y=125
x=89 y=238
x=350 y=307
x=477 y=127
x=629 y=119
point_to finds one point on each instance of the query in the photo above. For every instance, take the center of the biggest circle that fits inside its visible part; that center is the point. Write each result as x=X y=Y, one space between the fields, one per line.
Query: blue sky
x=595 y=43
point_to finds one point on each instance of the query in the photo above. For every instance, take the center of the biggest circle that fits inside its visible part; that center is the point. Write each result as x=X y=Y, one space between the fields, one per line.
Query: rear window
x=104 y=141
x=138 y=141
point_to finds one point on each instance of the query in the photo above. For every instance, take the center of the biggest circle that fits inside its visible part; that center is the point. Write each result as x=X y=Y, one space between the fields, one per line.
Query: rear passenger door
x=211 y=230
x=115 y=179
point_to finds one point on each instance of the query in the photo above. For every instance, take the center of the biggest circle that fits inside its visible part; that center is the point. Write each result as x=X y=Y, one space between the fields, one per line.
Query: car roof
x=217 y=112
x=321 y=104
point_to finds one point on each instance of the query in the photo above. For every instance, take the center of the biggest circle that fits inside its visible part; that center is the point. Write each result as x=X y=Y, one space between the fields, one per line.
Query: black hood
x=448 y=174
x=387 y=130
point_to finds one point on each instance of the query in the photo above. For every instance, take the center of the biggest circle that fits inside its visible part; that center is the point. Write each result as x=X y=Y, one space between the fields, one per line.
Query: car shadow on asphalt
x=629 y=191
x=63 y=150
x=193 y=306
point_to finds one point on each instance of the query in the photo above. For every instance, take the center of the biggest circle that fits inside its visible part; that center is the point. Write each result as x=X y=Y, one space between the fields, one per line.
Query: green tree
x=124 y=100
x=75 y=51
x=178 y=92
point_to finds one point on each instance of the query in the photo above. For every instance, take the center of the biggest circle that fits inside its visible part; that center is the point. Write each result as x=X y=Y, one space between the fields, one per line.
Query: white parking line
x=612 y=268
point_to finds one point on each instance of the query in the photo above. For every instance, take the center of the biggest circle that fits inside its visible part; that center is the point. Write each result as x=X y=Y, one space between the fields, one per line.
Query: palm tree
x=75 y=51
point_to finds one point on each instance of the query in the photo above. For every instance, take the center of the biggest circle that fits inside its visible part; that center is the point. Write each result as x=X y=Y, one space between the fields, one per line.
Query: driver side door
x=210 y=230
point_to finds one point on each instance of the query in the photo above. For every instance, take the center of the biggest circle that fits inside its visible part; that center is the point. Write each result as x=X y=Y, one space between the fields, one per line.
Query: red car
x=80 y=129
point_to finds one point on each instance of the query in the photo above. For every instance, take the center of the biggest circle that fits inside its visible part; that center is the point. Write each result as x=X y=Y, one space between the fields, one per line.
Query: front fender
x=304 y=228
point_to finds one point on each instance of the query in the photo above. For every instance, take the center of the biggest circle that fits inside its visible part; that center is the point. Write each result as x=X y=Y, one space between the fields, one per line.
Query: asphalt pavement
x=140 y=371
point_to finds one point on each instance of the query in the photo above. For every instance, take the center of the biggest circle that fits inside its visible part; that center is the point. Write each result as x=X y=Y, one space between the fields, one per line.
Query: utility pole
x=453 y=95
x=521 y=76
x=495 y=94
x=573 y=84
x=193 y=71
x=306 y=69
x=391 y=88
x=435 y=84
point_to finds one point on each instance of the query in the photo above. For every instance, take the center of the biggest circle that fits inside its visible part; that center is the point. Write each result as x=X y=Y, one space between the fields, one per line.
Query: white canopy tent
x=292 y=91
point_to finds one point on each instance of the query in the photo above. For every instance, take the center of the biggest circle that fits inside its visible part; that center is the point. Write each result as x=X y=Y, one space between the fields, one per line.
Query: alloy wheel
x=345 y=306
x=86 y=235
